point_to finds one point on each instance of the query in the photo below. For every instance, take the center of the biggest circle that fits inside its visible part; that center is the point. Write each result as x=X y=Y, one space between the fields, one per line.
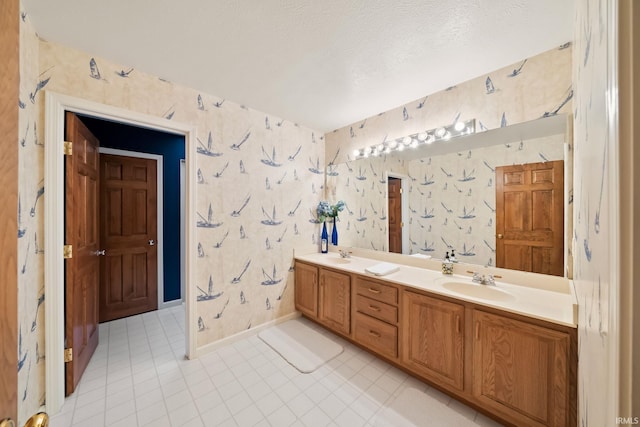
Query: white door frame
x=55 y=107
x=404 y=180
x=159 y=159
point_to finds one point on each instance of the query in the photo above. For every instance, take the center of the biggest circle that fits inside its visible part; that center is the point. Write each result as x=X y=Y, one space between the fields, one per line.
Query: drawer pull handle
x=375 y=291
x=458 y=323
x=375 y=334
x=374 y=308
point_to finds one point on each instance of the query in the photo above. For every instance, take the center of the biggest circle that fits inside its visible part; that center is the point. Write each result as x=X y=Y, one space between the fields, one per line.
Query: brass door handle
x=500 y=236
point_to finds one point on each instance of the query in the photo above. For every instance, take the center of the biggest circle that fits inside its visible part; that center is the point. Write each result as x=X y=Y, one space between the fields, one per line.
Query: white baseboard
x=201 y=351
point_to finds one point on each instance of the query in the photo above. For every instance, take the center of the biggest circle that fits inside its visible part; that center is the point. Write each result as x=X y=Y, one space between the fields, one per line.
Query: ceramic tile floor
x=139 y=376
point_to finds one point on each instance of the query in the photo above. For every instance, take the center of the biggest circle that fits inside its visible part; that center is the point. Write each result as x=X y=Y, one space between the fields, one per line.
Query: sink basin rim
x=338 y=260
x=485 y=292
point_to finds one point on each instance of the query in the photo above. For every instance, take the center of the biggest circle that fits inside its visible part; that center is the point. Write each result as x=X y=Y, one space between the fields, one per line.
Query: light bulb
x=407 y=140
x=440 y=132
x=356 y=153
x=422 y=136
x=414 y=143
x=459 y=126
x=380 y=147
x=400 y=147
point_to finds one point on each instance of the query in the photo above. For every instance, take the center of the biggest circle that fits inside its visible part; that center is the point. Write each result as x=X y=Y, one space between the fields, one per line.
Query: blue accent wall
x=171 y=148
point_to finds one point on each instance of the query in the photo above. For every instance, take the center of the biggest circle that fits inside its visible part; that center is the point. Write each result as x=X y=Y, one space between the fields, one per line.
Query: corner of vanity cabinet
x=524 y=369
x=306 y=289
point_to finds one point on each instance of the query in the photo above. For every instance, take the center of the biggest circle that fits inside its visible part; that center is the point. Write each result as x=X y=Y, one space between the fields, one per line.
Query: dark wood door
x=82 y=270
x=433 y=338
x=530 y=217
x=335 y=300
x=129 y=268
x=394 y=186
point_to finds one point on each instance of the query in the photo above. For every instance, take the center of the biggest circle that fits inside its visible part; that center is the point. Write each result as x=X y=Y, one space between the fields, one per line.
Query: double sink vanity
x=508 y=350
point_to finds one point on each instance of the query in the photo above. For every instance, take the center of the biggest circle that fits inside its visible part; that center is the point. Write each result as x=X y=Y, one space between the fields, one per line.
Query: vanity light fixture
x=442 y=133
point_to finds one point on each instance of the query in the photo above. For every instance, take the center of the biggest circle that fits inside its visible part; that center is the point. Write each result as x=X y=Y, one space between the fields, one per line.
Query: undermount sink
x=478 y=291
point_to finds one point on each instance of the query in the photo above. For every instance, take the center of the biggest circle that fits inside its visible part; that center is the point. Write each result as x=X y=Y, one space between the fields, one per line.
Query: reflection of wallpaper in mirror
x=362 y=186
x=451 y=198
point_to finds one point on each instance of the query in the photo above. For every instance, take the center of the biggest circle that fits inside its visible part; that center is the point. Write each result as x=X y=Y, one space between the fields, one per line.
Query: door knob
x=499 y=236
x=100 y=252
x=152 y=242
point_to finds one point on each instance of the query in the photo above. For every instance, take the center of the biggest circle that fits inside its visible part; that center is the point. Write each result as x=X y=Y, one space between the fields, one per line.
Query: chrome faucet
x=344 y=253
x=488 y=280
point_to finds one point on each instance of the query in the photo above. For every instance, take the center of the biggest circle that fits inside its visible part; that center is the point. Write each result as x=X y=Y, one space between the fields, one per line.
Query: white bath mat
x=303 y=347
x=413 y=407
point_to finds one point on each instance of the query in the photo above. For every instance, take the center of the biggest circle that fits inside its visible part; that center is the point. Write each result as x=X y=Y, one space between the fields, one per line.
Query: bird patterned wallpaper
x=594 y=215
x=535 y=87
x=259 y=181
x=451 y=197
x=31 y=298
x=451 y=203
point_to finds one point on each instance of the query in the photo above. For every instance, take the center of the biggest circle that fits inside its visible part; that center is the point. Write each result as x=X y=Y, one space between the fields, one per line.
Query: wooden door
x=433 y=338
x=129 y=269
x=82 y=270
x=306 y=289
x=394 y=186
x=530 y=217
x=335 y=300
x=521 y=369
x=9 y=164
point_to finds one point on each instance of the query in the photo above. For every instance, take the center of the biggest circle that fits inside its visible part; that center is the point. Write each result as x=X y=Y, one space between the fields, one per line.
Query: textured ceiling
x=324 y=64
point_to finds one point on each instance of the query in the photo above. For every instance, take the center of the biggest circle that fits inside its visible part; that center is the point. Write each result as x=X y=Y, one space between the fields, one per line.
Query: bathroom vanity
x=508 y=350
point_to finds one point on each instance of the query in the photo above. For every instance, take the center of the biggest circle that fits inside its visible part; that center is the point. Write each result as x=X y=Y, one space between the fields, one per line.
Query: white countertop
x=553 y=306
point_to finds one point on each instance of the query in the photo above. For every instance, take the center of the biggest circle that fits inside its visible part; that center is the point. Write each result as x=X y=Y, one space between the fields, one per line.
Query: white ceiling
x=320 y=63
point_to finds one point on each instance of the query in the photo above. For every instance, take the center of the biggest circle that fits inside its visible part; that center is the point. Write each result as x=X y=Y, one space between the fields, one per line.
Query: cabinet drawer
x=377 y=309
x=376 y=290
x=377 y=335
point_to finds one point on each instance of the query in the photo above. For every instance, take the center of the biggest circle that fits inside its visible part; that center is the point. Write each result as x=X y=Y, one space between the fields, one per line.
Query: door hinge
x=68 y=355
x=401 y=224
x=67 y=251
x=401 y=191
x=68 y=148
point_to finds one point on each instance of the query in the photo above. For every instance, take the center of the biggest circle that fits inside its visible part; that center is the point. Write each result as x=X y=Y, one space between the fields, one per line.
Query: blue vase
x=334 y=233
x=324 y=239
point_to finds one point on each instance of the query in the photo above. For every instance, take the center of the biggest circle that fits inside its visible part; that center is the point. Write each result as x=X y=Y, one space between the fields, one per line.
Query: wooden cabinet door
x=521 y=370
x=335 y=300
x=433 y=338
x=306 y=289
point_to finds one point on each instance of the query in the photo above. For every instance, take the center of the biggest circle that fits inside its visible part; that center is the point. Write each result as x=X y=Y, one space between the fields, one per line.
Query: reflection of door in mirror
x=529 y=217
x=394 y=188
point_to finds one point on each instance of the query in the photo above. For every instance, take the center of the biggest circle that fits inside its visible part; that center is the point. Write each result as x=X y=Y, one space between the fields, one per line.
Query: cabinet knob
x=500 y=236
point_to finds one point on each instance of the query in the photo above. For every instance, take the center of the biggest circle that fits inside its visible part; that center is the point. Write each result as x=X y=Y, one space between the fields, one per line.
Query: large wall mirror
x=497 y=198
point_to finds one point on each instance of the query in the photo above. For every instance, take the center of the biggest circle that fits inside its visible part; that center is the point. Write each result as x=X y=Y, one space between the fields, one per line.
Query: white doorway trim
x=55 y=107
x=160 y=212
x=404 y=185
